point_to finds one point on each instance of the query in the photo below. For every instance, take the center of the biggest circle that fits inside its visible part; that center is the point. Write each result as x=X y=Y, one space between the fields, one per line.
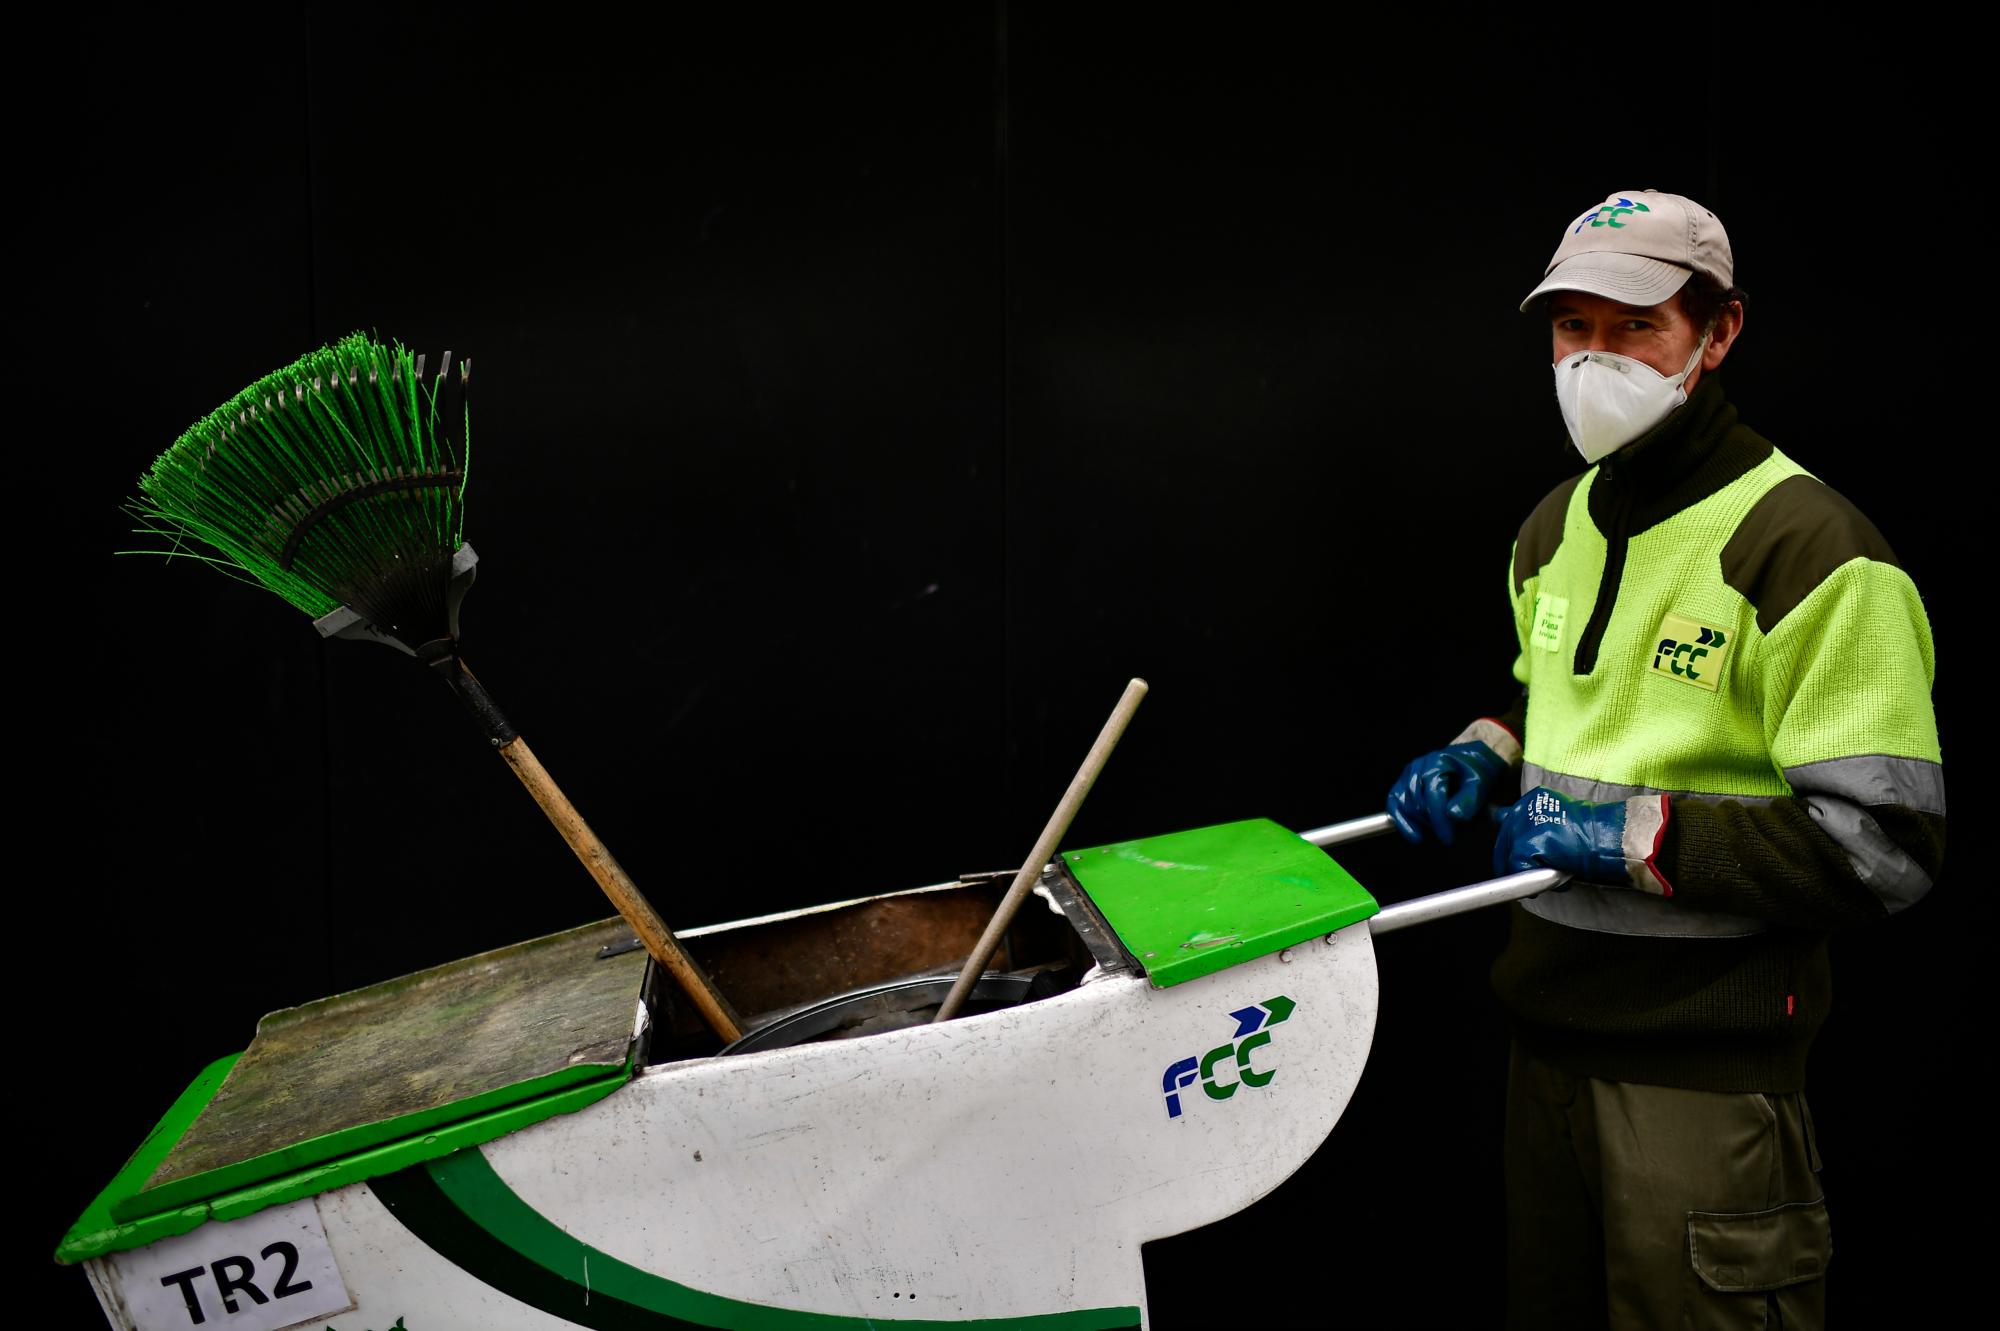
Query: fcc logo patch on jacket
x=1690 y=652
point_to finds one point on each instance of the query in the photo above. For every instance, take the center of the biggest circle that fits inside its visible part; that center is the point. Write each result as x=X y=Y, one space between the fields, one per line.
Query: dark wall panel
x=732 y=307
x=860 y=400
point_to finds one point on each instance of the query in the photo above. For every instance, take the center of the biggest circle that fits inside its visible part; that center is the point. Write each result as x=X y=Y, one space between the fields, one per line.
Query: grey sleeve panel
x=1607 y=792
x=1839 y=794
x=1914 y=783
x=1884 y=867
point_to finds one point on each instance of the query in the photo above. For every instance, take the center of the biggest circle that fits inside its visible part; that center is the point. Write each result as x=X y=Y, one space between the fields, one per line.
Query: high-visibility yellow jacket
x=1713 y=635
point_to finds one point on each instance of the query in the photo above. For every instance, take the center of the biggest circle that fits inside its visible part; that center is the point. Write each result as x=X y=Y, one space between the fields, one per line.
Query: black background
x=862 y=398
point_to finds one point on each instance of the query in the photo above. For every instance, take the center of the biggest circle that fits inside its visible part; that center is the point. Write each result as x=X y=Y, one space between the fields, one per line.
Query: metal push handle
x=1354 y=829
x=1456 y=901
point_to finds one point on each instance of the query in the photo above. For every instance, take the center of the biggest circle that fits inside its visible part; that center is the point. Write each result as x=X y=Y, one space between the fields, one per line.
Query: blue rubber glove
x=1444 y=788
x=1614 y=843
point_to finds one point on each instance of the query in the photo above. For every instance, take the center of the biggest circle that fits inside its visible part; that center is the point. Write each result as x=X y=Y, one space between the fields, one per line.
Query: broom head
x=337 y=482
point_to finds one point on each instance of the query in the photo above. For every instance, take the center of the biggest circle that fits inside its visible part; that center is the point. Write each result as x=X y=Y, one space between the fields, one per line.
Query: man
x=1726 y=737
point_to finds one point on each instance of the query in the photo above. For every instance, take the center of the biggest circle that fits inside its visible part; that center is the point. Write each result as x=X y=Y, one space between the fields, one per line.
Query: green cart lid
x=369 y=1082
x=1189 y=904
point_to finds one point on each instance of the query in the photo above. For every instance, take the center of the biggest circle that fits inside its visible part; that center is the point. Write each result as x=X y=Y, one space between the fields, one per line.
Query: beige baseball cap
x=1638 y=247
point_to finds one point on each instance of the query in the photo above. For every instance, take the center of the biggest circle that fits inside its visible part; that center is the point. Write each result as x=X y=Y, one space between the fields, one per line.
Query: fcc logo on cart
x=1227 y=1066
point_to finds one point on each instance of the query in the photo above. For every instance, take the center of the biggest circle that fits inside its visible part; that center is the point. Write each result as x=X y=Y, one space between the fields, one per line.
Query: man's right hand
x=1444 y=788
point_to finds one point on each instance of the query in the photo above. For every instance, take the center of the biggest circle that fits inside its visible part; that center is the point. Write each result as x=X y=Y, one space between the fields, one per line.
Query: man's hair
x=1703 y=299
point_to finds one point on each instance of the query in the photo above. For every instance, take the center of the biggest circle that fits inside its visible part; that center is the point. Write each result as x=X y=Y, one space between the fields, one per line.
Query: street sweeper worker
x=1725 y=735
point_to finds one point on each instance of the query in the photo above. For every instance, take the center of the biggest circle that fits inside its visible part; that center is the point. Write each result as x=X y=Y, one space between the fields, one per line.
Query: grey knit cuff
x=1645 y=828
x=1495 y=737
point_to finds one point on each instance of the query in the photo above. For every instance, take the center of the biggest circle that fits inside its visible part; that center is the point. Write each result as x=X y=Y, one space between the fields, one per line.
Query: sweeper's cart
x=547 y=1136
x=922 y=1109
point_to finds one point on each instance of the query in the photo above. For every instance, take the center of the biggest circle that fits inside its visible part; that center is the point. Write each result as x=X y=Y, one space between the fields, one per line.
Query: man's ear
x=1728 y=324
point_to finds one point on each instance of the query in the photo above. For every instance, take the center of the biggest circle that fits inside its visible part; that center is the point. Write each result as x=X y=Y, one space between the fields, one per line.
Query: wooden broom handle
x=624 y=893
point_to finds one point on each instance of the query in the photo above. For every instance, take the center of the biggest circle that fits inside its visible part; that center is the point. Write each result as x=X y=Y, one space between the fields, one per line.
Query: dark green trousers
x=1632 y=1206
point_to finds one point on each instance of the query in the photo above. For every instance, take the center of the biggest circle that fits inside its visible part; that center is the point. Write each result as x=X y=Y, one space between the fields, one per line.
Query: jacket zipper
x=1615 y=542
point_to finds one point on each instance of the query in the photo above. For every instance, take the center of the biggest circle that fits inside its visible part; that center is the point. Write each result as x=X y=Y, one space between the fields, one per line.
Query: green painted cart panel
x=95 y=1232
x=352 y=1086
x=98 y=1232
x=1189 y=904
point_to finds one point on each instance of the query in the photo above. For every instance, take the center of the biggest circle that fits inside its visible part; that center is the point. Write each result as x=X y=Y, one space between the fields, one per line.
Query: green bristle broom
x=338 y=482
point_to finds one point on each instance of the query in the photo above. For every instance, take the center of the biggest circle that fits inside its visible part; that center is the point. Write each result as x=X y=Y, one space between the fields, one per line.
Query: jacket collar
x=1697 y=450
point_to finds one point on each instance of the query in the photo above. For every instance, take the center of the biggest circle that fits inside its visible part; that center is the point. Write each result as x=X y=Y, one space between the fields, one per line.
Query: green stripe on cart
x=467 y=1214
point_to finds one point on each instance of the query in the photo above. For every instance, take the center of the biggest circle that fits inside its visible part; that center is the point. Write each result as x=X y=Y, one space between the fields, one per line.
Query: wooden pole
x=624 y=893
x=1058 y=824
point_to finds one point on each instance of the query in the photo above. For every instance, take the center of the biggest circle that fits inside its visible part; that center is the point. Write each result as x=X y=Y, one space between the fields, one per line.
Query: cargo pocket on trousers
x=1782 y=1253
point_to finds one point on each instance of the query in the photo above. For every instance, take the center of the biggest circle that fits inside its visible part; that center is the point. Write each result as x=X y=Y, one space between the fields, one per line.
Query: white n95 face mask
x=1609 y=400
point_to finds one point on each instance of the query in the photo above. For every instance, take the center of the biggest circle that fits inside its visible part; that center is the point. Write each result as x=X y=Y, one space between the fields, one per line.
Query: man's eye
x=1636 y=325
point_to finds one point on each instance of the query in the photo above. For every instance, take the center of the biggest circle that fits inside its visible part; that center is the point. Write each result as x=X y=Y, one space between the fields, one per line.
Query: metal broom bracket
x=350 y=624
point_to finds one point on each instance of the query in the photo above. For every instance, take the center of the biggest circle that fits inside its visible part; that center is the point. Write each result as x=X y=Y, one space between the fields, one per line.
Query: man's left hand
x=1615 y=843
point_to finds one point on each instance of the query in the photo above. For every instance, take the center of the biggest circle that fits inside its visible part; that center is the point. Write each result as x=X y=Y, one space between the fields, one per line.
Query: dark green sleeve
x=1775 y=861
